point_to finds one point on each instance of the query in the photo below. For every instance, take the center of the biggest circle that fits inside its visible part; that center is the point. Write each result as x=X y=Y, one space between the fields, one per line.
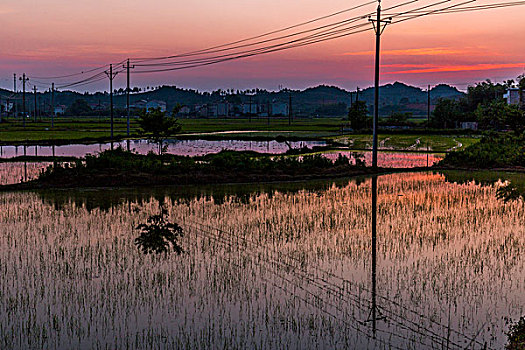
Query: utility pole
x=34 y=92
x=428 y=117
x=268 y=111
x=290 y=110
x=127 y=66
x=250 y=112
x=24 y=80
x=379 y=27
x=52 y=105
x=357 y=94
x=14 y=98
x=111 y=76
x=428 y=106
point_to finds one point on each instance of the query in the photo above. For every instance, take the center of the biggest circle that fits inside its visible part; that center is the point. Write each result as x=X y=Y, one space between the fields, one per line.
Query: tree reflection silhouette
x=159 y=235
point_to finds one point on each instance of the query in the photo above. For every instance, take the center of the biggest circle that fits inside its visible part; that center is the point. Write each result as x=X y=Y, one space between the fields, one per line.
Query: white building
x=249 y=108
x=184 y=111
x=469 y=125
x=60 y=109
x=8 y=106
x=207 y=110
x=279 y=108
x=156 y=104
x=513 y=96
x=224 y=109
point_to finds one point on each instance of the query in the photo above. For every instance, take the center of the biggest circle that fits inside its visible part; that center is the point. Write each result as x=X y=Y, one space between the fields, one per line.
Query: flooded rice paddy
x=177 y=147
x=442 y=268
x=16 y=172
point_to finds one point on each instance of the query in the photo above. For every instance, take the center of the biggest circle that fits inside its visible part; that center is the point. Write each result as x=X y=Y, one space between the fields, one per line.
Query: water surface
x=271 y=268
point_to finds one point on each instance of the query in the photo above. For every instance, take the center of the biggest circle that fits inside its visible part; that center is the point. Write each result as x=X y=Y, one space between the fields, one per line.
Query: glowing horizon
x=61 y=37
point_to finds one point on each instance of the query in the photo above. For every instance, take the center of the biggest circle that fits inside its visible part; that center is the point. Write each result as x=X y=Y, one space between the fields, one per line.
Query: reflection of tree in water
x=514 y=189
x=511 y=192
x=159 y=235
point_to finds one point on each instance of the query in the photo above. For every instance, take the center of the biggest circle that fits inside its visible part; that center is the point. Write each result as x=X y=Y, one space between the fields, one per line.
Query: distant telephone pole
x=111 y=76
x=290 y=110
x=14 y=98
x=268 y=111
x=52 y=105
x=357 y=94
x=379 y=27
x=127 y=66
x=24 y=80
x=36 y=103
x=250 y=112
x=428 y=105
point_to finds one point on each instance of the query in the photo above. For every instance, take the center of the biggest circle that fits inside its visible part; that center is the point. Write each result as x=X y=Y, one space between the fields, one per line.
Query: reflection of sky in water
x=11 y=173
x=393 y=159
x=182 y=147
x=279 y=270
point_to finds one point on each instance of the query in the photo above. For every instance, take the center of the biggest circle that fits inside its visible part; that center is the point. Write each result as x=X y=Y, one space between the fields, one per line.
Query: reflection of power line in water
x=331 y=288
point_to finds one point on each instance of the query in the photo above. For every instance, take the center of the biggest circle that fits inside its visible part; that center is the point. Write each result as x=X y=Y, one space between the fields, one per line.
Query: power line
x=316 y=35
x=308 y=40
x=258 y=36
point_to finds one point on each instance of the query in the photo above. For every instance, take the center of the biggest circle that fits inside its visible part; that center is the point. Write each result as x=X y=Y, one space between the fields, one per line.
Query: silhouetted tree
x=498 y=114
x=446 y=113
x=158 y=125
x=358 y=115
x=79 y=107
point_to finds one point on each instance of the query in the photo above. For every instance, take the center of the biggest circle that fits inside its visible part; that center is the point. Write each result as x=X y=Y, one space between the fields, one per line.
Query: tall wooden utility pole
x=250 y=112
x=290 y=110
x=52 y=105
x=24 y=80
x=36 y=104
x=379 y=27
x=268 y=111
x=128 y=67
x=14 y=98
x=428 y=117
x=111 y=76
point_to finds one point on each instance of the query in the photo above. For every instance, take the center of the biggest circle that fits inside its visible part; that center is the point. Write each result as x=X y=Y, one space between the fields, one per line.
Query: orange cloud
x=459 y=68
x=430 y=51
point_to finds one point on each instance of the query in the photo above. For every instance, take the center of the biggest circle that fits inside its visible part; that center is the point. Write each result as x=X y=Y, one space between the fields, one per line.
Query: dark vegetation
x=121 y=168
x=484 y=104
x=321 y=100
x=516 y=336
x=493 y=151
x=158 y=235
x=158 y=126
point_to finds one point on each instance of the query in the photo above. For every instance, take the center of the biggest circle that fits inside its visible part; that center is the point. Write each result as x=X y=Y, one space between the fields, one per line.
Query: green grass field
x=98 y=129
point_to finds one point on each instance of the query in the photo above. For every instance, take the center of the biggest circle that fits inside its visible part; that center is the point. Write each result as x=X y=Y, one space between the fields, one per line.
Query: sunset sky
x=56 y=37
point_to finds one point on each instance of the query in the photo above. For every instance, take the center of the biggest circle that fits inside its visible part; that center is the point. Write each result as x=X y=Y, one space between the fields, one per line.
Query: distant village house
x=514 y=96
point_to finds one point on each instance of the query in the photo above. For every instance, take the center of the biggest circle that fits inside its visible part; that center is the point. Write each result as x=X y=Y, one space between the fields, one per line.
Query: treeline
x=483 y=104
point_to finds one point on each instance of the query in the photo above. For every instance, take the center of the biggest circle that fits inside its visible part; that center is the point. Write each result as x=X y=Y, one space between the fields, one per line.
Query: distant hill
x=393 y=97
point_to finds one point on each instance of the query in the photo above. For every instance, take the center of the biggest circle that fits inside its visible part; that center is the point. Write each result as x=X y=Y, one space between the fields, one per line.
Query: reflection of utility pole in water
x=373 y=317
x=428 y=118
x=25 y=165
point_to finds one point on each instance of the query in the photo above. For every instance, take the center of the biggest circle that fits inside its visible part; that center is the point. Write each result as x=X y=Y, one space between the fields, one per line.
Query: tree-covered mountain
x=320 y=100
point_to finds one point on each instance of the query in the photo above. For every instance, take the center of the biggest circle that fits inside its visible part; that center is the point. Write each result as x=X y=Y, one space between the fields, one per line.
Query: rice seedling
x=269 y=270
